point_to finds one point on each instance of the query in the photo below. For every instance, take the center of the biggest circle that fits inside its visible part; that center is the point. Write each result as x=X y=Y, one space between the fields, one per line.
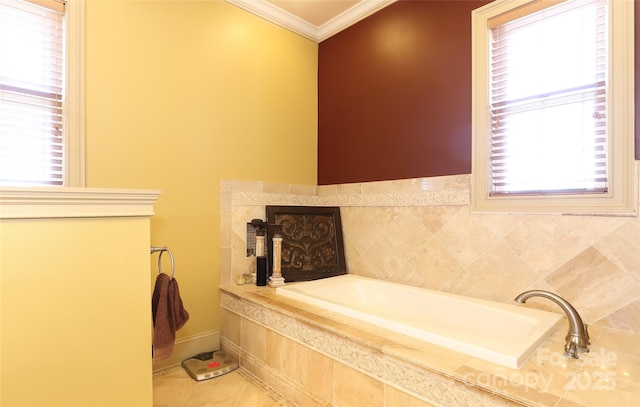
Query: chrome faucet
x=578 y=336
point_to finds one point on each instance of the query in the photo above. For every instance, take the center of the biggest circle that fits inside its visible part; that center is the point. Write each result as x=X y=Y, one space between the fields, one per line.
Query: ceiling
x=314 y=19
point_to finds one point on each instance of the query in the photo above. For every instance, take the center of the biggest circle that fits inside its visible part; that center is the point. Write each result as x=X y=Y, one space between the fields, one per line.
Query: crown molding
x=283 y=18
x=349 y=17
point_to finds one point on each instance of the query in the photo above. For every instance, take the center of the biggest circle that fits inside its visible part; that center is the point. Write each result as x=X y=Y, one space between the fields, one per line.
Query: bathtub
x=499 y=333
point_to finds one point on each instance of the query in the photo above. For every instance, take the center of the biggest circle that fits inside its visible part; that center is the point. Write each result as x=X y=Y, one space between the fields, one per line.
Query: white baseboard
x=185 y=348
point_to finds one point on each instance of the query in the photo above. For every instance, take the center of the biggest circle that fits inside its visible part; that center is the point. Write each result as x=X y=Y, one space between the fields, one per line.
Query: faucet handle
x=576 y=343
x=586 y=332
x=571 y=350
x=584 y=341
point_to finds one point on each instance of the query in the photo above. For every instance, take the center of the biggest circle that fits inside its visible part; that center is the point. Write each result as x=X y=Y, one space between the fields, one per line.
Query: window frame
x=621 y=198
x=74 y=102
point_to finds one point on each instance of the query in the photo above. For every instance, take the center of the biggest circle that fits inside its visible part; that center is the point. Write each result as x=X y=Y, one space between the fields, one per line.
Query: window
x=553 y=107
x=41 y=86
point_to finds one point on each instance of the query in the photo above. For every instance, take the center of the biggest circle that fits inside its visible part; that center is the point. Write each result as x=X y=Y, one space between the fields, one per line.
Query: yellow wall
x=181 y=94
x=75 y=317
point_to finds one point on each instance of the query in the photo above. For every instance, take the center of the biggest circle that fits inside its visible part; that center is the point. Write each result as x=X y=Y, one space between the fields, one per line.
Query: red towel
x=168 y=316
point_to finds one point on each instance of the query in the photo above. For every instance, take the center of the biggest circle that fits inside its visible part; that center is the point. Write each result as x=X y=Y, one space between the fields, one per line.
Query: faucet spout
x=578 y=337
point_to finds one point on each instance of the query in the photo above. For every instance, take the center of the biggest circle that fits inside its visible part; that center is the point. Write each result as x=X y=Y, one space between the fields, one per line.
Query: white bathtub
x=500 y=333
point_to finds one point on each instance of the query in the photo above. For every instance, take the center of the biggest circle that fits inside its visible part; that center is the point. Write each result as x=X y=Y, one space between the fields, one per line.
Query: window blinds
x=31 y=92
x=548 y=106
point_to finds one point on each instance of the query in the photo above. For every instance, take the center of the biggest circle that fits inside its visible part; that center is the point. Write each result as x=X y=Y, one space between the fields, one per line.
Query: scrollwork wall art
x=312 y=245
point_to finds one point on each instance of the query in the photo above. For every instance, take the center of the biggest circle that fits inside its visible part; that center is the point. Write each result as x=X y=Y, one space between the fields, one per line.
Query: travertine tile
x=378 y=187
x=276 y=188
x=544 y=243
x=231 y=327
x=362 y=230
x=348 y=213
x=226 y=216
x=430 y=355
x=171 y=391
x=354 y=389
x=315 y=372
x=409 y=276
x=500 y=225
x=547 y=372
x=594 y=285
x=511 y=384
x=435 y=217
x=568 y=403
x=595 y=390
x=465 y=284
x=246 y=186
x=501 y=272
x=383 y=258
x=225 y=265
x=297 y=189
x=351 y=252
x=435 y=266
x=224 y=390
x=350 y=189
x=360 y=266
x=407 y=232
x=593 y=228
x=464 y=239
x=384 y=216
x=327 y=190
x=396 y=398
x=281 y=354
x=621 y=246
x=625 y=319
x=615 y=341
x=609 y=366
x=253 y=339
x=175 y=388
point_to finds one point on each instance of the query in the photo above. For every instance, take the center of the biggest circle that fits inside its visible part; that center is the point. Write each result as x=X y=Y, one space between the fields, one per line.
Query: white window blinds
x=548 y=91
x=31 y=92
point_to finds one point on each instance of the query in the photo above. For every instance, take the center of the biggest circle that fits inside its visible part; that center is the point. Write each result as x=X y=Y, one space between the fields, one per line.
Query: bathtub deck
x=429 y=372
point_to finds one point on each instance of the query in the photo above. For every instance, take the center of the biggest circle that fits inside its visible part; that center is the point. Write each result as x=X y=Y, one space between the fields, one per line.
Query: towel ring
x=162 y=250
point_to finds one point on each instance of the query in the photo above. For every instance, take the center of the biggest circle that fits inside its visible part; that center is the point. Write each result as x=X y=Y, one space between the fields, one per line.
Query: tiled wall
x=420 y=232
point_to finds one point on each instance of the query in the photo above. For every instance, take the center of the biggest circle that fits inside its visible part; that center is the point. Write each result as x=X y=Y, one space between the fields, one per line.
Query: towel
x=168 y=316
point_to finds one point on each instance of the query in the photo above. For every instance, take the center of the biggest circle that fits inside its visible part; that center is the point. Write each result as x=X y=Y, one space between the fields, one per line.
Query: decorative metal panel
x=312 y=245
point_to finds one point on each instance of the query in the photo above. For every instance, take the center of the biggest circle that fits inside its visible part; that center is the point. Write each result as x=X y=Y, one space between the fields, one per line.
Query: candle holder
x=276 y=278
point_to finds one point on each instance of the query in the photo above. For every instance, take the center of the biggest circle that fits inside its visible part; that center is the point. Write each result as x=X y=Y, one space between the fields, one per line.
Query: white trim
x=74 y=112
x=63 y=202
x=622 y=197
x=188 y=347
x=283 y=18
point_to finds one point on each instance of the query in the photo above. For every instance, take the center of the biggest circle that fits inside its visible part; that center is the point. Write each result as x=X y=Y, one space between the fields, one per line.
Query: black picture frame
x=312 y=244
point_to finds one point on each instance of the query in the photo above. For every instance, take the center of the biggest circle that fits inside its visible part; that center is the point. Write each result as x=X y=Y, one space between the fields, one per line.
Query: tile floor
x=175 y=388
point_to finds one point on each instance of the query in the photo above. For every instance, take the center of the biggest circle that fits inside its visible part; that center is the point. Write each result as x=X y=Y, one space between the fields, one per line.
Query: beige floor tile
x=174 y=388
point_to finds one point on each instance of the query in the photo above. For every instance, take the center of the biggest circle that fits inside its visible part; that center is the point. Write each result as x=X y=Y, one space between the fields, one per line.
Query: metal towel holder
x=163 y=249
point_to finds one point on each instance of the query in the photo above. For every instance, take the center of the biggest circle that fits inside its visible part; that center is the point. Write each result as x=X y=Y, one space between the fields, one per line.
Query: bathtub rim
x=549 y=321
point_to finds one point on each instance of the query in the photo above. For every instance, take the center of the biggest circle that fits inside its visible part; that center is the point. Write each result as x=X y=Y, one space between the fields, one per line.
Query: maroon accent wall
x=394 y=94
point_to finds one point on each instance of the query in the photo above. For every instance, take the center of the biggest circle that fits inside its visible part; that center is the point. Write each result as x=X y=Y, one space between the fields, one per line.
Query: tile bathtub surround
x=325 y=359
x=421 y=232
